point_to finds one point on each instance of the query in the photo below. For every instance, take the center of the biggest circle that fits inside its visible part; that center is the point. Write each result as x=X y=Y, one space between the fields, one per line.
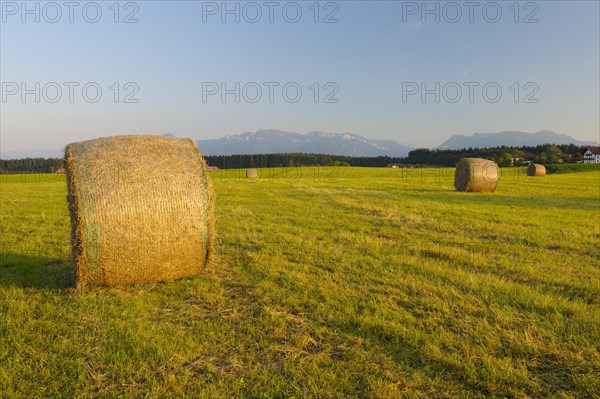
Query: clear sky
x=370 y=64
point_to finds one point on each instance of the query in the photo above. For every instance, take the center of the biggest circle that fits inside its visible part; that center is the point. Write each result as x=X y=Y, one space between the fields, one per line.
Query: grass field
x=329 y=283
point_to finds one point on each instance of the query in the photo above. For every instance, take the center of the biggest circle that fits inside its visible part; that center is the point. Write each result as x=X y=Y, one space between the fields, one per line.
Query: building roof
x=594 y=150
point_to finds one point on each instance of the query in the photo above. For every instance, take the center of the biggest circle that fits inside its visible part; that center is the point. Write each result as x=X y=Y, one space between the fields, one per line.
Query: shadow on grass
x=35 y=272
x=413 y=353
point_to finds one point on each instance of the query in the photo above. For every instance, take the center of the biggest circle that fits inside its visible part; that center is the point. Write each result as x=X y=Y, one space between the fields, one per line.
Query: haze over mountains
x=509 y=139
x=279 y=141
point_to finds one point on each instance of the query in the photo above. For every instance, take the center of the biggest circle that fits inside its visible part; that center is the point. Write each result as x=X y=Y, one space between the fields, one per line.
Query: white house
x=592 y=155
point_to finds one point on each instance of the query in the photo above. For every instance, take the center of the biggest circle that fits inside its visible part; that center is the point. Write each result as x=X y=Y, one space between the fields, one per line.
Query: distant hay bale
x=476 y=175
x=142 y=209
x=535 y=169
x=251 y=174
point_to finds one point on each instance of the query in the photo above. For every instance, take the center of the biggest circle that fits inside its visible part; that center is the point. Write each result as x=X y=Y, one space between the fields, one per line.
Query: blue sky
x=370 y=57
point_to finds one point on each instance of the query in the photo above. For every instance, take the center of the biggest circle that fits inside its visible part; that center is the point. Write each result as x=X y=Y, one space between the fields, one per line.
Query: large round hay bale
x=142 y=209
x=535 y=169
x=476 y=175
x=251 y=174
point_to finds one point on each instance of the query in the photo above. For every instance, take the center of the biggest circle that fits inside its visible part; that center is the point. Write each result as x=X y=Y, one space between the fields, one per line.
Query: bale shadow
x=25 y=271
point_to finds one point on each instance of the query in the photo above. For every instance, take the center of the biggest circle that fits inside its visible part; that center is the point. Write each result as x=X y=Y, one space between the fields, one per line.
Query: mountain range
x=279 y=141
x=509 y=139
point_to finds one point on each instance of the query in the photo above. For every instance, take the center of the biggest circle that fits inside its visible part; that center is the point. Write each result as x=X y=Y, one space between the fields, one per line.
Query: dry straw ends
x=476 y=175
x=142 y=209
x=251 y=174
x=535 y=169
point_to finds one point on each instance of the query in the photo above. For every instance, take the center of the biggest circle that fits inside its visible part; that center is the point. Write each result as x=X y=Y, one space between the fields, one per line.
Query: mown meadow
x=328 y=283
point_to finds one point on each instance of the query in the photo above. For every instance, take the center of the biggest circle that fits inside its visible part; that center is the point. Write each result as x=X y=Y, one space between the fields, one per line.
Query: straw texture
x=251 y=174
x=476 y=175
x=142 y=209
x=535 y=169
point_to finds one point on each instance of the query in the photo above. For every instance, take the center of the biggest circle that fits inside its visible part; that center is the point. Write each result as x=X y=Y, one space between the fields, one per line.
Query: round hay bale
x=535 y=169
x=251 y=174
x=476 y=175
x=142 y=209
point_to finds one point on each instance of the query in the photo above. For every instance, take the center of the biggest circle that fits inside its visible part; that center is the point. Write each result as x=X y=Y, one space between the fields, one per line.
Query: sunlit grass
x=347 y=282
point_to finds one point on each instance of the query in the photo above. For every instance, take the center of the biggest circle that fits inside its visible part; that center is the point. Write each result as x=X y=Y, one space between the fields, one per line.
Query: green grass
x=572 y=167
x=329 y=283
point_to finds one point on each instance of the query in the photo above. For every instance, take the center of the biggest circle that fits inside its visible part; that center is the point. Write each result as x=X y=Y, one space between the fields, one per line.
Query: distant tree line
x=49 y=165
x=504 y=156
x=31 y=165
x=278 y=160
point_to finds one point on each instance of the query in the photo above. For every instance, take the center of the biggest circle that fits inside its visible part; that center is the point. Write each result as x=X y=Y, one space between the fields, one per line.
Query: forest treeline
x=504 y=156
x=278 y=160
x=31 y=165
